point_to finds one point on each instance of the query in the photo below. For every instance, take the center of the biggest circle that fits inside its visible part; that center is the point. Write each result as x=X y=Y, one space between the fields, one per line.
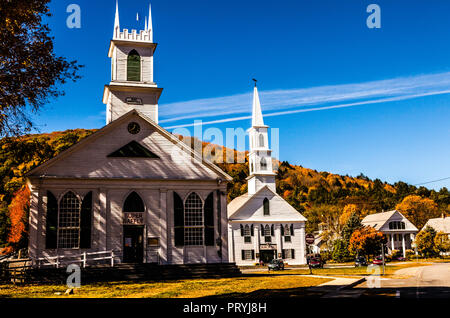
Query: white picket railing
x=84 y=259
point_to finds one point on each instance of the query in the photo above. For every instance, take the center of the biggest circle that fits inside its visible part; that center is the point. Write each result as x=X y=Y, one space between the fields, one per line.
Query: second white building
x=261 y=224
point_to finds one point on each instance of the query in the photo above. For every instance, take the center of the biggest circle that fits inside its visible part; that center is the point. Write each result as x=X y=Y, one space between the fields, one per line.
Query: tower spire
x=116 y=21
x=257 y=118
x=150 y=24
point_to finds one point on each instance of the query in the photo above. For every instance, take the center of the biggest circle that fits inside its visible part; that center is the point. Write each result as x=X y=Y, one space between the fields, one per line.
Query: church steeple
x=257 y=118
x=132 y=85
x=260 y=156
x=116 y=21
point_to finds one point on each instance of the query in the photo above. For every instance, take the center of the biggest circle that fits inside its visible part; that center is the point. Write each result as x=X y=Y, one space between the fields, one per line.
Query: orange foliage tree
x=418 y=210
x=18 y=214
x=366 y=241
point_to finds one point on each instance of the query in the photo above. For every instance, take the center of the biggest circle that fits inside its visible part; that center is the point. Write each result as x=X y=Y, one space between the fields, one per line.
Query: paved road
x=431 y=281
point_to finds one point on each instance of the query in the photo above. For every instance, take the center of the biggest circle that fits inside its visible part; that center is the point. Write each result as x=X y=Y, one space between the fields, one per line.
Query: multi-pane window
x=69 y=221
x=247 y=234
x=267 y=234
x=287 y=233
x=193 y=220
x=397 y=225
x=288 y=254
x=248 y=255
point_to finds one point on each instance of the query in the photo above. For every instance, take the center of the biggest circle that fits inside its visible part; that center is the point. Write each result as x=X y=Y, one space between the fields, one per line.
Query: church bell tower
x=260 y=156
x=132 y=85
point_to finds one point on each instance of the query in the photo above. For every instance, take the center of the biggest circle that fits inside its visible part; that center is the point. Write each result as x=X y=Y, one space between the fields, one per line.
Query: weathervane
x=254 y=81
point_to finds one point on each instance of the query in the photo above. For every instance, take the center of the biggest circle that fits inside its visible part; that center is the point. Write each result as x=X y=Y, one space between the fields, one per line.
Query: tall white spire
x=146 y=28
x=116 y=21
x=257 y=118
x=150 y=23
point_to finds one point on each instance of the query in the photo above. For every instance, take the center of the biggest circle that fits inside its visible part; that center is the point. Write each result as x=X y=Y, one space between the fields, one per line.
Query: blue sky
x=394 y=82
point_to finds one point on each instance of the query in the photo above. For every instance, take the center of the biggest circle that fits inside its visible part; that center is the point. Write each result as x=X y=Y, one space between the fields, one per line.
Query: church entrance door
x=133 y=244
x=267 y=255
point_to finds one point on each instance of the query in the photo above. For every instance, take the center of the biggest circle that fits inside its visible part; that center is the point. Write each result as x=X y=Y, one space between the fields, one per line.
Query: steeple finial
x=116 y=21
x=150 y=24
x=257 y=118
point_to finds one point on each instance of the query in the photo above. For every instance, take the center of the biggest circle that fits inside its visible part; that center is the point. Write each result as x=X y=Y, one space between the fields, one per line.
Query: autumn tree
x=425 y=242
x=418 y=210
x=441 y=242
x=367 y=241
x=30 y=71
x=18 y=215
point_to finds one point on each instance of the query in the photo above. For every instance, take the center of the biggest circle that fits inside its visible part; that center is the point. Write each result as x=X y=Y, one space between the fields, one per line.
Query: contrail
x=367 y=102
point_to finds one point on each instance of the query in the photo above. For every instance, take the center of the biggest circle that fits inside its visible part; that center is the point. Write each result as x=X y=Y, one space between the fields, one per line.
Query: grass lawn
x=171 y=289
x=345 y=271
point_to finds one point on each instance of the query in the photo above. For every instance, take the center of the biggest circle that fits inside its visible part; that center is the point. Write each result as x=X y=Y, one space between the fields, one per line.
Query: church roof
x=245 y=207
x=41 y=170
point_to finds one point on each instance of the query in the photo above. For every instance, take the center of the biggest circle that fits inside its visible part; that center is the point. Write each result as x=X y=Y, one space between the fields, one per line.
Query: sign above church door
x=133 y=218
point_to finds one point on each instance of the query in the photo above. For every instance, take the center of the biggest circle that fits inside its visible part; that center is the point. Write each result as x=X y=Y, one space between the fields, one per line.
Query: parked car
x=360 y=261
x=378 y=260
x=275 y=265
x=316 y=262
x=399 y=258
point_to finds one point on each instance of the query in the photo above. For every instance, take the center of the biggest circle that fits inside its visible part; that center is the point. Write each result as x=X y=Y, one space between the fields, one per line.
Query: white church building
x=131 y=187
x=261 y=225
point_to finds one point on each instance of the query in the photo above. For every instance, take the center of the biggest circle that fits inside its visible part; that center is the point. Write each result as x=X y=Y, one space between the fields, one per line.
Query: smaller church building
x=261 y=225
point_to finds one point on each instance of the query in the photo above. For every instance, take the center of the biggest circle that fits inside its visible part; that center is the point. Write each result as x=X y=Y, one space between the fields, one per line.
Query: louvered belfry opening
x=134 y=67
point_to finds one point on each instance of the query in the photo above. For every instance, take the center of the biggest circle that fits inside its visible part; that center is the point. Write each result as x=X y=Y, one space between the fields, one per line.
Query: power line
x=432 y=181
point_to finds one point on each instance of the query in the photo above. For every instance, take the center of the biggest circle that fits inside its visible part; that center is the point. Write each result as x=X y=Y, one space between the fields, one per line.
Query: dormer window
x=134 y=67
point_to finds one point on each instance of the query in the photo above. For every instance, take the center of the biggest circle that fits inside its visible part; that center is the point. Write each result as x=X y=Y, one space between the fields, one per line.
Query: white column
x=278 y=238
x=403 y=244
x=231 y=253
x=163 y=221
x=302 y=244
x=392 y=242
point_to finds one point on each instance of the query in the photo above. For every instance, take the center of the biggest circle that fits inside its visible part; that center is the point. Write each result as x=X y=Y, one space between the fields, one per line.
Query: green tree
x=441 y=242
x=425 y=242
x=30 y=71
x=340 y=251
x=353 y=224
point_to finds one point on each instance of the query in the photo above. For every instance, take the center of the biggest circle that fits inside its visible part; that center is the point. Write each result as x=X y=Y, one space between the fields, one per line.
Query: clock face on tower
x=134 y=128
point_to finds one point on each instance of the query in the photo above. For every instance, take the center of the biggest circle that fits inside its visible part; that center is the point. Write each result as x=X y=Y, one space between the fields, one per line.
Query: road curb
x=359 y=281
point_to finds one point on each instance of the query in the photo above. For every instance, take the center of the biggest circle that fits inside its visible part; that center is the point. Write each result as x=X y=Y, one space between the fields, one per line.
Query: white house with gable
x=131 y=188
x=399 y=230
x=261 y=224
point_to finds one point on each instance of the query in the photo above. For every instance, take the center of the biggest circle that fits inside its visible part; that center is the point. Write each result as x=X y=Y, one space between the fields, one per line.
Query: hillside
x=320 y=196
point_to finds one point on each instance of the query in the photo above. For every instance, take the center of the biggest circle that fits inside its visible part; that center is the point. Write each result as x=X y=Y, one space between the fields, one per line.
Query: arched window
x=134 y=66
x=133 y=203
x=261 y=140
x=266 y=206
x=69 y=221
x=193 y=220
x=263 y=164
